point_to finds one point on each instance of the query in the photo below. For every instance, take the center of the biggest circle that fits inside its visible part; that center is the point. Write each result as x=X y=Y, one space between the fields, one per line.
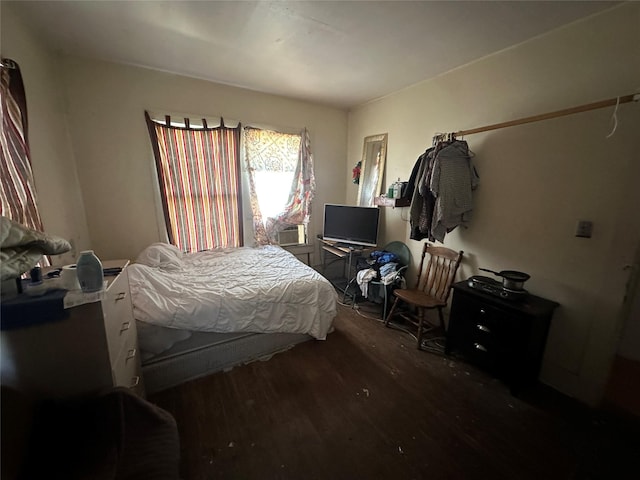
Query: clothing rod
x=559 y=113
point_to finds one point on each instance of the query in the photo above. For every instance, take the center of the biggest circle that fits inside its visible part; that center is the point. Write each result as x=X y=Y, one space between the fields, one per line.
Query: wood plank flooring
x=366 y=404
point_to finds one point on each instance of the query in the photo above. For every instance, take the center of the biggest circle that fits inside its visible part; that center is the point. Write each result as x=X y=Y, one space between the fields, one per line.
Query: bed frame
x=205 y=353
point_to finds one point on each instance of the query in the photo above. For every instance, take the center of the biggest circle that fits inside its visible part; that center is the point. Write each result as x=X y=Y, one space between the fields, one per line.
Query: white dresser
x=93 y=348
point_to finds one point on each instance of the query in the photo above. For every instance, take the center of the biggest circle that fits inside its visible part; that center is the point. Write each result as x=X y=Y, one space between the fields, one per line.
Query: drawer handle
x=135 y=381
x=121 y=296
x=482 y=328
x=480 y=347
x=125 y=326
x=131 y=354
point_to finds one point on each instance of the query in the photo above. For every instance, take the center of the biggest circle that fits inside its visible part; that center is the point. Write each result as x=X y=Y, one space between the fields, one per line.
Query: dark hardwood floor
x=366 y=403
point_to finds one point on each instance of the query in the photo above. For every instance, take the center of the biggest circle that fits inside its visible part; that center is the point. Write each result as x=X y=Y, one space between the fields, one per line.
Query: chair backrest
x=401 y=250
x=438 y=268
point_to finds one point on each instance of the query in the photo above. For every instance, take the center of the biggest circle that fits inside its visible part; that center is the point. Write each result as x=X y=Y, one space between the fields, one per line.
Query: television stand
x=341 y=252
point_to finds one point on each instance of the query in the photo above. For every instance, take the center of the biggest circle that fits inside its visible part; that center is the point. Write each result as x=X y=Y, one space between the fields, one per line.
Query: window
x=199 y=174
x=281 y=182
x=272 y=157
x=200 y=187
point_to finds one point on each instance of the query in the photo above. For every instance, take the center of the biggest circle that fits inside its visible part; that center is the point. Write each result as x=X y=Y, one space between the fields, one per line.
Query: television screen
x=349 y=224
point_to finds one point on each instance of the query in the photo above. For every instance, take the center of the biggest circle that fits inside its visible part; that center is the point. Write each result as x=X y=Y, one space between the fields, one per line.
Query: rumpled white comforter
x=248 y=289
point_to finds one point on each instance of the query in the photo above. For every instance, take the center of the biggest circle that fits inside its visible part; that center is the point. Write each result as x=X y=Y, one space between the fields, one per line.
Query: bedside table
x=90 y=347
x=506 y=338
x=300 y=249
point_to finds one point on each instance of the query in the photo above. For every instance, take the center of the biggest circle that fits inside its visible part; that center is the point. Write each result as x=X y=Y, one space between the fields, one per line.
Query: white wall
x=115 y=162
x=538 y=180
x=54 y=168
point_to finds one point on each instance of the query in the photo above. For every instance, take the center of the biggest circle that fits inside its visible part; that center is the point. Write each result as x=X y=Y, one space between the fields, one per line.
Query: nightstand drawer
x=126 y=369
x=479 y=325
x=116 y=307
x=483 y=352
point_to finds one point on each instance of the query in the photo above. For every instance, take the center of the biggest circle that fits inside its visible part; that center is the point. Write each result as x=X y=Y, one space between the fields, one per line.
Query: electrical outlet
x=584 y=229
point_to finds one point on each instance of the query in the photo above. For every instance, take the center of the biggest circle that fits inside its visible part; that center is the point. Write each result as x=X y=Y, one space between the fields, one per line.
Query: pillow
x=161 y=255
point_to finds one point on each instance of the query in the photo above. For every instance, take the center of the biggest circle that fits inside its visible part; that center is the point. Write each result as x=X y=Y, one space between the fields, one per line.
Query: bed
x=208 y=311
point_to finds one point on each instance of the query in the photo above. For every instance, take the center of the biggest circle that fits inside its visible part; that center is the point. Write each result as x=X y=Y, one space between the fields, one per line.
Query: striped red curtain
x=199 y=175
x=18 y=193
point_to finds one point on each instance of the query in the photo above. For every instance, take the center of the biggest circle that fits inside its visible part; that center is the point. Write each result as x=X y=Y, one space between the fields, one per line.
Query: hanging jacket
x=453 y=178
x=421 y=199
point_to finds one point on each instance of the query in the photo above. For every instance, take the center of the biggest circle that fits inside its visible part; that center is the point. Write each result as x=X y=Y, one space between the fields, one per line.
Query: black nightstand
x=506 y=338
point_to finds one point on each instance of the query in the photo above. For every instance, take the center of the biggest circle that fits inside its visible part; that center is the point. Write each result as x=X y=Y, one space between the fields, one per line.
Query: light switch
x=584 y=228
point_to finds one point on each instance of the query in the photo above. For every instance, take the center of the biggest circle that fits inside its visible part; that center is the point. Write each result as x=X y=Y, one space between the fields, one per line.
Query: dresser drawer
x=478 y=322
x=479 y=351
x=126 y=369
x=116 y=307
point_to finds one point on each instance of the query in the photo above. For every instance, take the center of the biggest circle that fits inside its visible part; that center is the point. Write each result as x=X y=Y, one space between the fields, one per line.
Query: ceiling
x=339 y=53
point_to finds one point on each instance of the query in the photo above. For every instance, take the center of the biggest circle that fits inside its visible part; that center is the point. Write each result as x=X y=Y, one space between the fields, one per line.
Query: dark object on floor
x=117 y=435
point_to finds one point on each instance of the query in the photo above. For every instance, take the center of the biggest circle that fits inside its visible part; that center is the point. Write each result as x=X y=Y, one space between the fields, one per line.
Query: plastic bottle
x=89 y=271
x=397 y=188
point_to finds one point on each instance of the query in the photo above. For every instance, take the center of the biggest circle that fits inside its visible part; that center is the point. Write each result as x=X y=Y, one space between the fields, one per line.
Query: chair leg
x=420 y=322
x=441 y=320
x=393 y=308
x=384 y=304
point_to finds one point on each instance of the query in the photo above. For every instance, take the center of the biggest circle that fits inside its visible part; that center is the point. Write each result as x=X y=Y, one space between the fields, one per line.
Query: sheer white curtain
x=281 y=180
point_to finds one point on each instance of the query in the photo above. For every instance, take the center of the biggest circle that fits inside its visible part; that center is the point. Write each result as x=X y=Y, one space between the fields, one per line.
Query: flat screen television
x=352 y=225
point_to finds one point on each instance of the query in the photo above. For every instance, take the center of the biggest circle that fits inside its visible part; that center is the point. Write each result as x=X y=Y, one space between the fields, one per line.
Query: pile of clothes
x=381 y=266
x=21 y=248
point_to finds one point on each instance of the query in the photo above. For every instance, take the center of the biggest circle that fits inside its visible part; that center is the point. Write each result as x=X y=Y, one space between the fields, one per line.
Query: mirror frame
x=374 y=156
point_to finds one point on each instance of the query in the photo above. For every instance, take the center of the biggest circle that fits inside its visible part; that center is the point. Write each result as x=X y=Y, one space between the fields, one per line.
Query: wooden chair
x=438 y=267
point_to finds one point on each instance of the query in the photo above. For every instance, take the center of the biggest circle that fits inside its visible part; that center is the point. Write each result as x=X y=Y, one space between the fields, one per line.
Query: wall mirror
x=374 y=154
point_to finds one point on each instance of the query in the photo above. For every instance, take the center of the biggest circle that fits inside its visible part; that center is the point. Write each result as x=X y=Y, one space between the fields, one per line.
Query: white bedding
x=262 y=289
